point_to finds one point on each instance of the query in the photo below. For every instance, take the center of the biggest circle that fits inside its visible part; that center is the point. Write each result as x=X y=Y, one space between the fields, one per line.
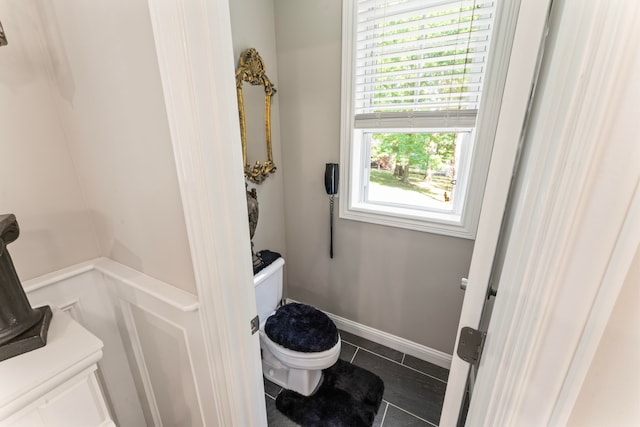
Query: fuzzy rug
x=348 y=396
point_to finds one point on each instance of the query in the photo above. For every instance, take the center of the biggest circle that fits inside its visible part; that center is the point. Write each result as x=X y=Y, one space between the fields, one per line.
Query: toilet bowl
x=297 y=341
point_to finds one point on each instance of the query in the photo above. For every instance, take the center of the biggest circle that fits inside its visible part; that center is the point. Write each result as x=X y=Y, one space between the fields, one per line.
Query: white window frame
x=352 y=159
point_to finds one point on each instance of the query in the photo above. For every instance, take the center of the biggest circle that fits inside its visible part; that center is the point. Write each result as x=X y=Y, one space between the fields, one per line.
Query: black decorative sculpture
x=22 y=328
x=252 y=208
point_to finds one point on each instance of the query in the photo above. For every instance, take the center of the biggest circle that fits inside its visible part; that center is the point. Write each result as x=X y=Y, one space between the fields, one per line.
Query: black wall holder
x=22 y=328
x=331 y=178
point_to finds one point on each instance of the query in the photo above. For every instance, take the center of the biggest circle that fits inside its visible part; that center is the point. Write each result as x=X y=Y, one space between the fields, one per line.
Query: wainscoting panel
x=168 y=379
x=165 y=343
x=153 y=341
x=80 y=291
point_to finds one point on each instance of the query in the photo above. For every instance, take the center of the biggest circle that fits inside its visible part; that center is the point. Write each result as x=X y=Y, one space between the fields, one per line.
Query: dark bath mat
x=349 y=396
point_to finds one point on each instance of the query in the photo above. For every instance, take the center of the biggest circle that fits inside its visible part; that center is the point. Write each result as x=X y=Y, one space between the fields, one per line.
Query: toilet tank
x=268 y=286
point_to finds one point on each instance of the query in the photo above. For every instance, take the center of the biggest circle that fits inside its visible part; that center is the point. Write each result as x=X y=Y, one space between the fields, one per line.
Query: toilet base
x=301 y=381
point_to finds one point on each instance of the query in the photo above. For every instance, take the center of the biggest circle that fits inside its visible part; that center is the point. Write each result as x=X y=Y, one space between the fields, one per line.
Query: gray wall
x=252 y=25
x=398 y=281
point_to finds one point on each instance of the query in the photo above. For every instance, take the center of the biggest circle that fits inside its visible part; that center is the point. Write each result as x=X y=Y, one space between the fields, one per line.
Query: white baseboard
x=403 y=345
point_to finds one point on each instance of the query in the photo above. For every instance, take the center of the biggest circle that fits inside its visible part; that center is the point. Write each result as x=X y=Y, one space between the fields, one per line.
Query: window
x=413 y=74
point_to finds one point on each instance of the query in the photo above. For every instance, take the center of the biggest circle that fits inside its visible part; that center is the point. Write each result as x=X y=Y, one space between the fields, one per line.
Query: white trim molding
x=79 y=290
x=195 y=57
x=154 y=370
x=403 y=345
x=523 y=63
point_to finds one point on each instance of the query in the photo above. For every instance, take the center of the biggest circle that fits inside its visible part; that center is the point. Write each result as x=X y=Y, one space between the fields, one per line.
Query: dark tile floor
x=414 y=389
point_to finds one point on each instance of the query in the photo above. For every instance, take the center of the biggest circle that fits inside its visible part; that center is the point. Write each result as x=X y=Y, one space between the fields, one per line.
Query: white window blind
x=420 y=63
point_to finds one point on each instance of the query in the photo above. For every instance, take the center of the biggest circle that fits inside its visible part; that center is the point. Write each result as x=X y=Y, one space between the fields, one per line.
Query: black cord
x=331 y=225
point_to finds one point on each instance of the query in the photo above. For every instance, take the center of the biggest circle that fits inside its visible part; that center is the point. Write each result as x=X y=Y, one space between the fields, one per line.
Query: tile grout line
x=401 y=363
x=385 y=413
x=398 y=363
x=413 y=415
x=354 y=354
x=373 y=352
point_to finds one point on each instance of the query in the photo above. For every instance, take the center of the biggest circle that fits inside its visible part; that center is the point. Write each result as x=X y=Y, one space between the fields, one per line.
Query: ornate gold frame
x=251 y=69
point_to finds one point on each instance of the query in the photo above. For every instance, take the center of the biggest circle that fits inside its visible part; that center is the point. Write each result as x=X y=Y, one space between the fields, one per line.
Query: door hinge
x=470 y=345
x=255 y=325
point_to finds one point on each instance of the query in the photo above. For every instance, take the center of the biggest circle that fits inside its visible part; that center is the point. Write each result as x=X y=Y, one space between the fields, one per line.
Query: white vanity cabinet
x=55 y=385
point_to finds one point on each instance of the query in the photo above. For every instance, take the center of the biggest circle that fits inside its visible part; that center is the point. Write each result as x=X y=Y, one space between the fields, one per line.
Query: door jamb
x=529 y=33
x=577 y=225
x=195 y=57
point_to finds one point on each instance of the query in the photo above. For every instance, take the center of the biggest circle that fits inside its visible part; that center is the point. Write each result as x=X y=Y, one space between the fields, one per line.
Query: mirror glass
x=255 y=123
x=254 y=91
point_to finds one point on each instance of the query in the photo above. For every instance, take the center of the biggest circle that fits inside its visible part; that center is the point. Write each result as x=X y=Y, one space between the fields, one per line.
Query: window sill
x=428 y=222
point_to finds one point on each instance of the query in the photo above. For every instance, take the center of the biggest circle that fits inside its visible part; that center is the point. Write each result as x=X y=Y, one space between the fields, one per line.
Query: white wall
x=611 y=391
x=114 y=111
x=402 y=282
x=252 y=25
x=38 y=180
x=91 y=164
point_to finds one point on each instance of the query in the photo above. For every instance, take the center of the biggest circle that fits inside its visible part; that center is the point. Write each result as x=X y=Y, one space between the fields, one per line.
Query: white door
x=577 y=222
x=523 y=63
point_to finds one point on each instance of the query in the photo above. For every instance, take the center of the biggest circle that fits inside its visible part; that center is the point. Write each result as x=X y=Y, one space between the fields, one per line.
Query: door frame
x=195 y=58
x=523 y=65
x=193 y=43
x=576 y=223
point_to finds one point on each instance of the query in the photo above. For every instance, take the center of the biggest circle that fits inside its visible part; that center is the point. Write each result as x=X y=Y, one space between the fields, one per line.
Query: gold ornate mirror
x=251 y=70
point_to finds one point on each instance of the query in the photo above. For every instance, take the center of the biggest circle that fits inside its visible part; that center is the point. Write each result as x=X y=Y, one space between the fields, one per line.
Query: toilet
x=297 y=341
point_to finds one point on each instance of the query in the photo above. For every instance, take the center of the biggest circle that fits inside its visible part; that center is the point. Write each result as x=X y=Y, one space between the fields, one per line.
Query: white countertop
x=70 y=349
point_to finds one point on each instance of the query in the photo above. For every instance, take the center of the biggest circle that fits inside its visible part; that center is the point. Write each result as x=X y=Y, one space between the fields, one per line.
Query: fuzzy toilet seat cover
x=300 y=327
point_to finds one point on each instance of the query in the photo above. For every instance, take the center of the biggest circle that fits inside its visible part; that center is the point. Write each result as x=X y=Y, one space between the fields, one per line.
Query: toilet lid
x=300 y=327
